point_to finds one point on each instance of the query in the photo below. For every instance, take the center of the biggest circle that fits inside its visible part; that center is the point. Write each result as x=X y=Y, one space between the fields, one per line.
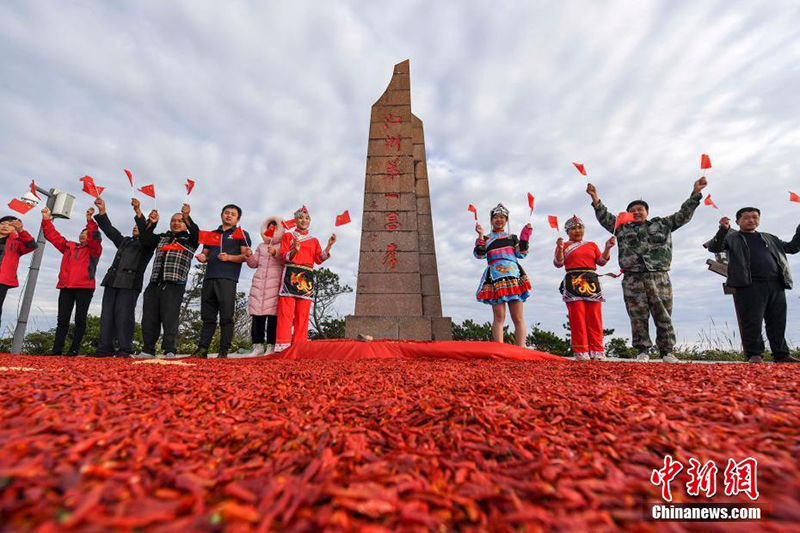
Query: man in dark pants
x=164 y=294
x=123 y=281
x=219 y=285
x=759 y=272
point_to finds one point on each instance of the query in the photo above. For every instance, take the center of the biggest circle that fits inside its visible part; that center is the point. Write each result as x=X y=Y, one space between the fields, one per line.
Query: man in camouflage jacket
x=645 y=257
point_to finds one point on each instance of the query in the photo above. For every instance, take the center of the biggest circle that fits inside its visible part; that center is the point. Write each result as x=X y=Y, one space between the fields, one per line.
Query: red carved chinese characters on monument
x=390 y=119
x=392 y=168
x=390 y=259
x=393 y=141
x=392 y=222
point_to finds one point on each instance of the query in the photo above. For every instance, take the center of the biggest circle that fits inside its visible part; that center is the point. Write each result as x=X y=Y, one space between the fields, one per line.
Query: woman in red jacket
x=14 y=242
x=75 y=279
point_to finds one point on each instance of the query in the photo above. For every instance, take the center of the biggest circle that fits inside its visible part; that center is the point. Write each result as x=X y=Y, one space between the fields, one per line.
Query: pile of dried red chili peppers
x=99 y=444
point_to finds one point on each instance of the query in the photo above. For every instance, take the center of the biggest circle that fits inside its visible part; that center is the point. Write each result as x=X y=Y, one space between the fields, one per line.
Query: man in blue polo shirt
x=219 y=286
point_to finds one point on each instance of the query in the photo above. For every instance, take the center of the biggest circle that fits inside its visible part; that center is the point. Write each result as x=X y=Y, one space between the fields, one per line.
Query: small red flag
x=288 y=224
x=705 y=162
x=210 y=238
x=33 y=189
x=238 y=234
x=189 y=186
x=793 y=197
x=130 y=176
x=623 y=218
x=172 y=246
x=90 y=188
x=580 y=168
x=553 y=221
x=474 y=211
x=709 y=201
x=530 y=202
x=270 y=231
x=19 y=206
x=343 y=219
x=149 y=190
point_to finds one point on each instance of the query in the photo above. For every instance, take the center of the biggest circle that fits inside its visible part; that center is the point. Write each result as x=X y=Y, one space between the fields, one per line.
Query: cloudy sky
x=267 y=105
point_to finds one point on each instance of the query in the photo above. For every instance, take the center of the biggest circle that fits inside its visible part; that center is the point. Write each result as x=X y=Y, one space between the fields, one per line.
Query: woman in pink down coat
x=263 y=305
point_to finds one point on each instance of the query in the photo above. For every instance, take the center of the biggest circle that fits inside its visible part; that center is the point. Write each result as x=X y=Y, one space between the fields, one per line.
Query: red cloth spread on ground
x=352 y=349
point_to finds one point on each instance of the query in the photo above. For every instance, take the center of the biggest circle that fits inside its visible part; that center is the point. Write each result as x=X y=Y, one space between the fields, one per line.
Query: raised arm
x=684 y=215
x=51 y=233
x=105 y=224
x=606 y=219
x=93 y=238
x=793 y=246
x=26 y=240
x=480 y=243
x=718 y=244
x=523 y=245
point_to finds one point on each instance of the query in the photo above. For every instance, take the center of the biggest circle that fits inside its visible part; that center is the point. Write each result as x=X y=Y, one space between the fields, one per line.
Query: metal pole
x=33 y=274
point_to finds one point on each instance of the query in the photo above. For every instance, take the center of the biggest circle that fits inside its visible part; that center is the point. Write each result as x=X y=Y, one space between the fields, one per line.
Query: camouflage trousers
x=649 y=294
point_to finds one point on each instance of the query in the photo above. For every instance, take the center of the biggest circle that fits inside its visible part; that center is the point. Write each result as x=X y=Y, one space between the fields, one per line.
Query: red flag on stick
x=793 y=197
x=130 y=176
x=19 y=206
x=343 y=219
x=705 y=163
x=33 y=189
x=709 y=201
x=530 y=202
x=238 y=234
x=149 y=190
x=581 y=168
x=189 y=186
x=173 y=246
x=623 y=218
x=270 y=231
x=210 y=238
x=553 y=221
x=474 y=211
x=90 y=188
x=288 y=224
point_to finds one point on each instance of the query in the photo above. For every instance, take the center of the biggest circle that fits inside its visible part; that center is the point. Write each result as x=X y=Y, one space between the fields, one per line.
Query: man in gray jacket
x=759 y=271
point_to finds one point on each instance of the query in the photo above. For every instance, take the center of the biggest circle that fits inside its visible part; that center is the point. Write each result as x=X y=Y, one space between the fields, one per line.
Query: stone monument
x=397 y=292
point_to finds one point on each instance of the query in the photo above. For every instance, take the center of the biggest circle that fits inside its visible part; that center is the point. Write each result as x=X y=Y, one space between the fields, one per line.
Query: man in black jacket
x=123 y=281
x=759 y=272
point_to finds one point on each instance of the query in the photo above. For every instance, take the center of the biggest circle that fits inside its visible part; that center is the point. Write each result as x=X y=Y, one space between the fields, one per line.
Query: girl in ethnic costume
x=300 y=250
x=504 y=281
x=581 y=289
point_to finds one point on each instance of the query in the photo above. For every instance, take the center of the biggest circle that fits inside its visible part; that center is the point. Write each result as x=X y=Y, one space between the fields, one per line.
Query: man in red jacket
x=14 y=242
x=76 y=279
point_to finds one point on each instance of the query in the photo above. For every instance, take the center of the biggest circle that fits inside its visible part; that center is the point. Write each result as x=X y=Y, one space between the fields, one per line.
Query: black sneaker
x=222 y=355
x=787 y=359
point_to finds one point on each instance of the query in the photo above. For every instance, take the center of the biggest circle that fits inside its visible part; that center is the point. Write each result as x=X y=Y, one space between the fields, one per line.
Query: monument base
x=421 y=328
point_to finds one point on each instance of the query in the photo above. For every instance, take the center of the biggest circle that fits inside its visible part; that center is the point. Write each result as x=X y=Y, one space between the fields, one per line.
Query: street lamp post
x=33 y=273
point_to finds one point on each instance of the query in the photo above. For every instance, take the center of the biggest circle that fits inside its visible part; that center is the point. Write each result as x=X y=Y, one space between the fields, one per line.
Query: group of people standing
x=280 y=296
x=758 y=272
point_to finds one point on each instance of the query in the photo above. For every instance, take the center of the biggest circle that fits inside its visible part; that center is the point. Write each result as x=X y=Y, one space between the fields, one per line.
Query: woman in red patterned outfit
x=581 y=289
x=300 y=250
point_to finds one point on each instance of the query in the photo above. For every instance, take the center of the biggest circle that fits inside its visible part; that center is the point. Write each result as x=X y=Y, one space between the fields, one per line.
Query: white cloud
x=268 y=106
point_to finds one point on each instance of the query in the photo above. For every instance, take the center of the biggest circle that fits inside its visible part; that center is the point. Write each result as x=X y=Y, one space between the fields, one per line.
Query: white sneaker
x=258 y=351
x=598 y=356
x=669 y=358
x=143 y=355
x=170 y=355
x=643 y=356
x=582 y=356
x=280 y=347
x=269 y=348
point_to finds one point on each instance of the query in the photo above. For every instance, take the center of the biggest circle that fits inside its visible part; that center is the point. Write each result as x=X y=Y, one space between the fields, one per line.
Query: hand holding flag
x=343 y=219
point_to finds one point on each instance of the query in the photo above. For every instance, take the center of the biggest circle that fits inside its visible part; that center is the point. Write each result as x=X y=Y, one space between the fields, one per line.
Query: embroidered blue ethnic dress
x=504 y=280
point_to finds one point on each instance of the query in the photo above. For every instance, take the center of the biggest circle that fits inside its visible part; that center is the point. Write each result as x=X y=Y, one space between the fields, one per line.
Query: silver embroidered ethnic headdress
x=302 y=210
x=573 y=222
x=500 y=209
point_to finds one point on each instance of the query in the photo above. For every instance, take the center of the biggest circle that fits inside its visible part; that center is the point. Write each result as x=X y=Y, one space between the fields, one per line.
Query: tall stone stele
x=397 y=293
